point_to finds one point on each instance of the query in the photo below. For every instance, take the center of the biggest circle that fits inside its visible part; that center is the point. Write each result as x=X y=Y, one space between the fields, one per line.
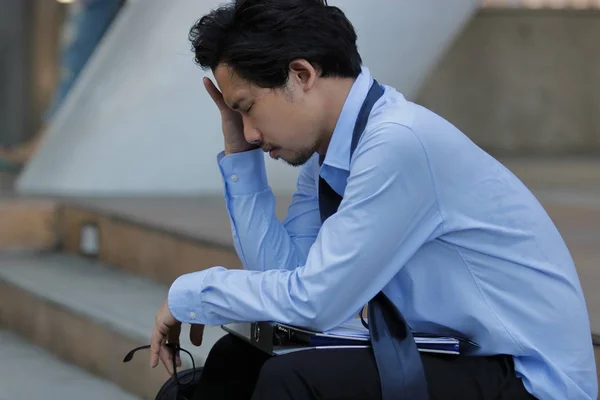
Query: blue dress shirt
x=452 y=237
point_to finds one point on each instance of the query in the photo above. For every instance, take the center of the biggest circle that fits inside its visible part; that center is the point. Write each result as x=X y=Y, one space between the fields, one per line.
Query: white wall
x=139 y=121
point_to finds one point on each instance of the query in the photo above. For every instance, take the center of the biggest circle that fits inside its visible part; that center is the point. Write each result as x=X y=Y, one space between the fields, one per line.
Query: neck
x=336 y=92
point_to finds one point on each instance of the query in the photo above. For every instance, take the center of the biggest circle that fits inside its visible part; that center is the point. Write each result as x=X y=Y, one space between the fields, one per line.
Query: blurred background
x=109 y=187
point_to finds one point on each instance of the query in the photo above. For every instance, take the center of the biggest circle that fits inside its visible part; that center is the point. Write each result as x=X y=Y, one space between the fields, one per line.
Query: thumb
x=196 y=333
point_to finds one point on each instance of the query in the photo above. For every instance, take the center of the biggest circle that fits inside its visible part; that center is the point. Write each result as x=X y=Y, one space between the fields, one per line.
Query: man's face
x=284 y=121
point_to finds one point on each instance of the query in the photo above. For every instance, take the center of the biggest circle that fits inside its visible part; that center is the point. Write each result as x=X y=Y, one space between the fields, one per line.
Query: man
x=453 y=239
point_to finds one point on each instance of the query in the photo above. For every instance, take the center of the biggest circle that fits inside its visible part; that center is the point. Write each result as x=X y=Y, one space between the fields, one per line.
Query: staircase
x=29 y=372
x=82 y=279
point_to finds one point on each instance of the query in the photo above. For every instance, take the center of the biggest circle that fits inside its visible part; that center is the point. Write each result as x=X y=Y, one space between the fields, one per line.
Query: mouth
x=272 y=152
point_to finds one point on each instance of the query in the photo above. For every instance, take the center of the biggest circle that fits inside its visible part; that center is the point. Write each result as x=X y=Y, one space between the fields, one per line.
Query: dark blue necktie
x=398 y=361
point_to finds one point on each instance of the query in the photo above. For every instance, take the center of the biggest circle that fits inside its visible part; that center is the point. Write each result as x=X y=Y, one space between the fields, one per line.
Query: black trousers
x=235 y=370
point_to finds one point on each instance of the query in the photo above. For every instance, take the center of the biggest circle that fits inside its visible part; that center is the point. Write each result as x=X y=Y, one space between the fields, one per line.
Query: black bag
x=170 y=391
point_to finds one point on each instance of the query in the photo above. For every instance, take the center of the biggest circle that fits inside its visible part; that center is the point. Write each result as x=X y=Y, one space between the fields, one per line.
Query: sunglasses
x=181 y=379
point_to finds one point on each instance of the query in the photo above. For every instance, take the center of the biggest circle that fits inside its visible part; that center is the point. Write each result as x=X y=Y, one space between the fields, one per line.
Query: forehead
x=234 y=88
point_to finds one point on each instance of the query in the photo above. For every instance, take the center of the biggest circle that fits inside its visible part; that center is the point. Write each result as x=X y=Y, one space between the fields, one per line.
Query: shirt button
x=193 y=315
x=234 y=178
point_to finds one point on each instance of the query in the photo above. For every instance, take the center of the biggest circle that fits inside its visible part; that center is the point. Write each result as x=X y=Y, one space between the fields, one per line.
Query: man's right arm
x=262 y=242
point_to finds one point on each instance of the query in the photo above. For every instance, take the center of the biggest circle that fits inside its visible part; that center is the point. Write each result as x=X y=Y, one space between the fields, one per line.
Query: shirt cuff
x=244 y=173
x=183 y=299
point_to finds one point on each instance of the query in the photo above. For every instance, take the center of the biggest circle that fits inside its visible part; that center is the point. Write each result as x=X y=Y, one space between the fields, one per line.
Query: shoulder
x=390 y=139
x=391 y=122
x=392 y=108
x=397 y=127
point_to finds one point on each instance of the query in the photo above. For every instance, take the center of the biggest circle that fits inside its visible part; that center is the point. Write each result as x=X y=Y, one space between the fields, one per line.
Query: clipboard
x=276 y=338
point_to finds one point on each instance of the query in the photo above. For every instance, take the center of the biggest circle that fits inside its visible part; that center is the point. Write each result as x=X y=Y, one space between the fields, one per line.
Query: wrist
x=243 y=173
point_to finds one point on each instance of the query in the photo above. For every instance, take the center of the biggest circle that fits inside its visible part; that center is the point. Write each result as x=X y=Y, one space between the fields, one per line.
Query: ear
x=302 y=73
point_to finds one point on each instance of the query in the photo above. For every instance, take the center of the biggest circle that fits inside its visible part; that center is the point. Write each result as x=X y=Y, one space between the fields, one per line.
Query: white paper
x=352 y=329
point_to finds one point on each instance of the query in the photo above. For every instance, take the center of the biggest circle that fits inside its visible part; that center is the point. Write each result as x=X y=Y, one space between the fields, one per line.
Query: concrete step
x=160 y=239
x=578 y=174
x=164 y=238
x=27 y=224
x=29 y=372
x=90 y=315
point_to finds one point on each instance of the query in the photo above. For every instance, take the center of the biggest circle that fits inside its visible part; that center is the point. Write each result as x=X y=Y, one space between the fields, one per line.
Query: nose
x=251 y=134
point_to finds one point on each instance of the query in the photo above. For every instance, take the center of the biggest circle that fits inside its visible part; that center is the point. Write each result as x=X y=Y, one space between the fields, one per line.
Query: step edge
x=141 y=336
x=85 y=359
x=80 y=313
x=53 y=360
x=127 y=219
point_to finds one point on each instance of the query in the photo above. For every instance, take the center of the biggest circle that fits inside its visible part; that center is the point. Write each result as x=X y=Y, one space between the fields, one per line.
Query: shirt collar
x=338 y=152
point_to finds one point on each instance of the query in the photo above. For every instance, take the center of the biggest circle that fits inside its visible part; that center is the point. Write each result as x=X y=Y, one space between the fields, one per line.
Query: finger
x=158 y=340
x=166 y=357
x=156 y=343
x=196 y=334
x=173 y=337
x=215 y=94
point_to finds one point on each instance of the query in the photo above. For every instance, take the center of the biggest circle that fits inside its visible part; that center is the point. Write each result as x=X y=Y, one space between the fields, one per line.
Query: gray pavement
x=28 y=372
x=121 y=301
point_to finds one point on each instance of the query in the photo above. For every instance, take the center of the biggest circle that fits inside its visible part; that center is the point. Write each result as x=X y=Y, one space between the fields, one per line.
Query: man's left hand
x=166 y=330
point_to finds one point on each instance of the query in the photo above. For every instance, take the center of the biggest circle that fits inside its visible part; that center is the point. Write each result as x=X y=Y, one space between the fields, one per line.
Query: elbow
x=313 y=305
x=327 y=318
x=317 y=316
x=322 y=325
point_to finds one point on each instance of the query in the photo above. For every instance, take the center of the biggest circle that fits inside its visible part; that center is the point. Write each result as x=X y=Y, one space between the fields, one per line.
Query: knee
x=277 y=369
x=225 y=344
x=282 y=378
x=224 y=351
x=273 y=380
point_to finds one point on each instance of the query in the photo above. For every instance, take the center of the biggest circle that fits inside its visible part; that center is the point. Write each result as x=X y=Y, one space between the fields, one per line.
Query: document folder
x=276 y=338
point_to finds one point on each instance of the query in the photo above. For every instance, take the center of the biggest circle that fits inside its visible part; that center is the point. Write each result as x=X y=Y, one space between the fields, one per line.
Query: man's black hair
x=259 y=39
